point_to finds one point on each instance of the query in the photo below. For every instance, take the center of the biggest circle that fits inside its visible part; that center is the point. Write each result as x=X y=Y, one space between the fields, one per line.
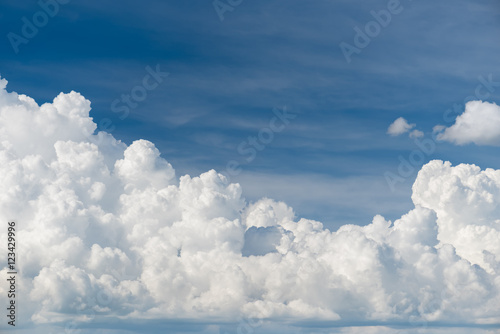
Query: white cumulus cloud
x=108 y=231
x=399 y=126
x=479 y=124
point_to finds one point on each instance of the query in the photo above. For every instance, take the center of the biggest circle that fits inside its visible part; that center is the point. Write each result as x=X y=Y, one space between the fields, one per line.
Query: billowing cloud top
x=108 y=231
x=479 y=124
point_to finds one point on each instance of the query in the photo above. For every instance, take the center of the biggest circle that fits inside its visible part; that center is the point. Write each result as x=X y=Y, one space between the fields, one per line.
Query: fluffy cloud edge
x=109 y=232
x=399 y=126
x=478 y=124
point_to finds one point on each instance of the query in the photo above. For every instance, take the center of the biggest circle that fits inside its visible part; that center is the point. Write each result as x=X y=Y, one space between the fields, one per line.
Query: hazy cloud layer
x=110 y=231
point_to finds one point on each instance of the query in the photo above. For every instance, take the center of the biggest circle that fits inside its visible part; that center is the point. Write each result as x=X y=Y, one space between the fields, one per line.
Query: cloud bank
x=108 y=231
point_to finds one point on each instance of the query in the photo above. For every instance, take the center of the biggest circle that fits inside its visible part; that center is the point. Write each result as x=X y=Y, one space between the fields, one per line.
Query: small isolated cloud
x=479 y=124
x=399 y=126
x=109 y=233
x=416 y=134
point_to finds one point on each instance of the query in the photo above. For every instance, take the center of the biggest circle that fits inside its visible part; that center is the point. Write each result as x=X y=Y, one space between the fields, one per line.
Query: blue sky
x=227 y=76
x=227 y=80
